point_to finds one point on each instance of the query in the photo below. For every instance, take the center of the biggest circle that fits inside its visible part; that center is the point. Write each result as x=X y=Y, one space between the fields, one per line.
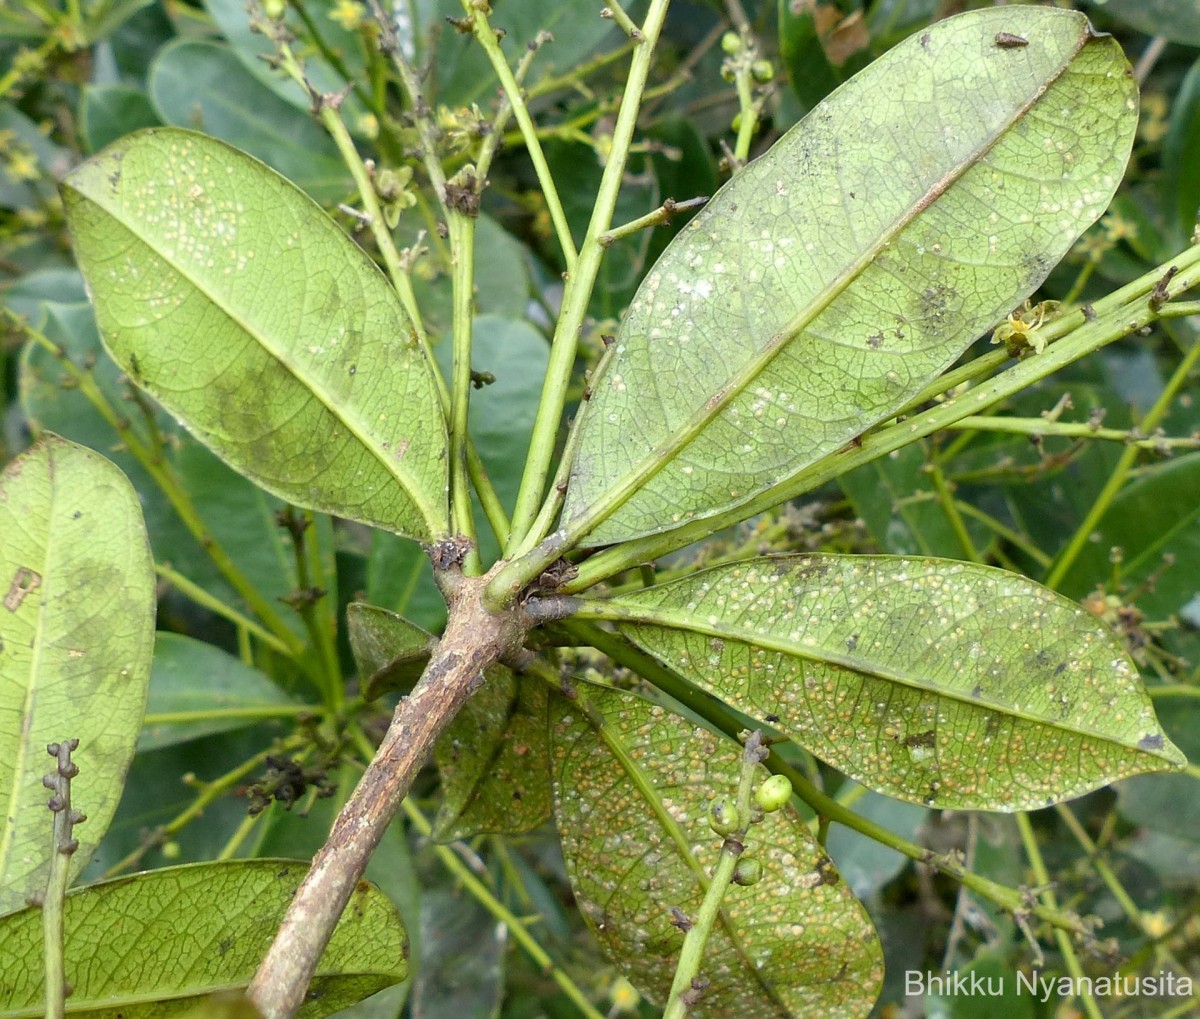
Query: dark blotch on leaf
x=1151 y=741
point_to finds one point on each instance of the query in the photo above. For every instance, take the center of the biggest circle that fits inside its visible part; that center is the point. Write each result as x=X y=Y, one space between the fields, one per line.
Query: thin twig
x=64 y=846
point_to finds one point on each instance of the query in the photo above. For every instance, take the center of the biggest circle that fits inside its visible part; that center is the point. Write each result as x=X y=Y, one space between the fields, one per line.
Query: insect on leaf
x=833 y=278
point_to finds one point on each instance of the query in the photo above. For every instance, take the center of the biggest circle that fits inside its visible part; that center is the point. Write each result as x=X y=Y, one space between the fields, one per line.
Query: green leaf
x=632 y=787
x=126 y=956
x=110 y=111
x=400 y=576
x=1154 y=520
x=389 y=651
x=938 y=682
x=1181 y=155
x=240 y=515
x=76 y=636
x=253 y=49
x=204 y=86
x=226 y=293
x=831 y=279
x=822 y=44
x=197 y=690
x=895 y=498
x=1178 y=20
x=493 y=760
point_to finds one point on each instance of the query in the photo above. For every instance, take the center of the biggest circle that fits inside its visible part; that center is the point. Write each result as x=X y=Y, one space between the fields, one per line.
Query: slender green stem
x=1113 y=884
x=63 y=847
x=658 y=217
x=617 y=13
x=304 y=601
x=462 y=256
x=1174 y=690
x=1042 y=877
x=1180 y=309
x=399 y=276
x=520 y=932
x=323 y=575
x=486 y=37
x=581 y=279
x=1005 y=532
x=163 y=476
x=249 y=713
x=1074 y=429
x=1111 y=320
x=1120 y=473
x=950 y=508
x=747 y=109
x=687 y=970
x=335 y=61
x=205 y=600
x=241 y=833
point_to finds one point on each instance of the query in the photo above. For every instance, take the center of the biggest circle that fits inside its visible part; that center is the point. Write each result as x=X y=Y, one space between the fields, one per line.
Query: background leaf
x=203 y=86
x=125 y=955
x=632 y=787
x=290 y=360
x=190 y=677
x=493 y=760
x=937 y=682
x=76 y=636
x=834 y=277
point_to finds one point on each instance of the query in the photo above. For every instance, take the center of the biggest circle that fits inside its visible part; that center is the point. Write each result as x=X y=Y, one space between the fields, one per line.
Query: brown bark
x=474 y=639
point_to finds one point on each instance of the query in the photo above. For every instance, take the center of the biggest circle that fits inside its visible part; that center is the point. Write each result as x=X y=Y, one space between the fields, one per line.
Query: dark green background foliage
x=246 y=705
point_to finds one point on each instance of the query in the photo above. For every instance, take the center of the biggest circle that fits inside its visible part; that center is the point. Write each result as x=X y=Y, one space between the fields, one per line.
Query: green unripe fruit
x=762 y=71
x=723 y=817
x=747 y=872
x=274 y=9
x=731 y=43
x=774 y=793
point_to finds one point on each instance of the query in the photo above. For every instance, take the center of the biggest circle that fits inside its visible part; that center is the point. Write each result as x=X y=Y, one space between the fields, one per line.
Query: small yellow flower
x=22 y=164
x=350 y=14
x=1117 y=228
x=623 y=995
x=1154 y=124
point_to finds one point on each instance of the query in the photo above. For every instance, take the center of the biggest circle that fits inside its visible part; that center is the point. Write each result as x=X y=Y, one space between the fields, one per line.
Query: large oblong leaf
x=239 y=305
x=153 y=945
x=943 y=683
x=632 y=787
x=834 y=277
x=76 y=637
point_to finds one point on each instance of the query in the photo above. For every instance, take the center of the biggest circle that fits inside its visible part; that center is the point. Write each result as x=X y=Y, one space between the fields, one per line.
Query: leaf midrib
x=665 y=453
x=627 y=613
x=412 y=491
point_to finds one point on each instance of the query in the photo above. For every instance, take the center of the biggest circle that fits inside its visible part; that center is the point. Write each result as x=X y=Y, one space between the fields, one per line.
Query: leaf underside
x=632 y=786
x=153 y=945
x=228 y=294
x=76 y=638
x=834 y=277
x=943 y=683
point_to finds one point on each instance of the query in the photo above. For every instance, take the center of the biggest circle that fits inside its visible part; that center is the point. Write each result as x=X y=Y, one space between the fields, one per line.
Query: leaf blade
x=124 y=953
x=634 y=825
x=76 y=636
x=896 y=672
x=819 y=290
x=292 y=361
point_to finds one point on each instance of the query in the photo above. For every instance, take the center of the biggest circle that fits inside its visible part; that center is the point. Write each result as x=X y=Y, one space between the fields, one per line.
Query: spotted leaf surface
x=938 y=682
x=493 y=760
x=153 y=945
x=831 y=279
x=632 y=787
x=76 y=638
x=225 y=292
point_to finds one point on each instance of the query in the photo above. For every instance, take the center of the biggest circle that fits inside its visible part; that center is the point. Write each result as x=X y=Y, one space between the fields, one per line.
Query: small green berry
x=774 y=793
x=763 y=71
x=731 y=43
x=723 y=816
x=747 y=872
